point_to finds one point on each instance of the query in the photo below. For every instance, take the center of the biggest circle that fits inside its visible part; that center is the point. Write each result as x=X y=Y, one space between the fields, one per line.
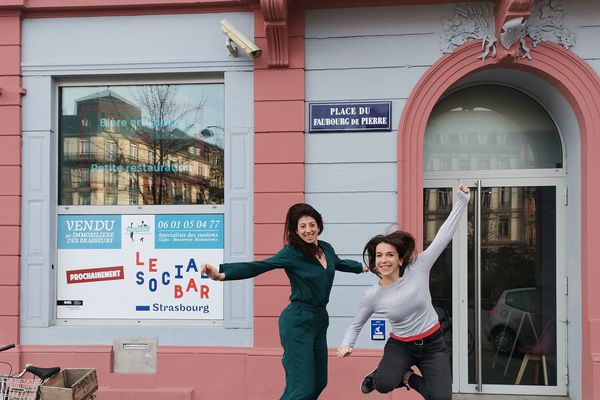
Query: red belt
x=428 y=332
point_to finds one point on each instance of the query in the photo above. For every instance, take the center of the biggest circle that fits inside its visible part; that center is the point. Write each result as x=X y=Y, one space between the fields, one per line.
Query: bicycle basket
x=18 y=388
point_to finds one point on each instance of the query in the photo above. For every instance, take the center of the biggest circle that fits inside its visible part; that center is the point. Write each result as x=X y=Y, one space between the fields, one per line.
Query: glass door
x=497 y=287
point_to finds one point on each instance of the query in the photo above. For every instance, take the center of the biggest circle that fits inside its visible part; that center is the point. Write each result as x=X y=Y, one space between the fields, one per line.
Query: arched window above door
x=490 y=127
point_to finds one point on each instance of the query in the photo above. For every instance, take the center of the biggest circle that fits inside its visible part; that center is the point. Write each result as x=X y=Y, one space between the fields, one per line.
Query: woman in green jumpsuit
x=310 y=265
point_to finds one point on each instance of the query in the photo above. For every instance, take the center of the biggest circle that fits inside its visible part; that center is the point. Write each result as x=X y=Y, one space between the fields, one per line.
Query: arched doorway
x=496 y=287
x=574 y=87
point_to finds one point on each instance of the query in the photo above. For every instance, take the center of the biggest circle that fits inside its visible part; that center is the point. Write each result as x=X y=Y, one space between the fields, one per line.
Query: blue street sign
x=330 y=117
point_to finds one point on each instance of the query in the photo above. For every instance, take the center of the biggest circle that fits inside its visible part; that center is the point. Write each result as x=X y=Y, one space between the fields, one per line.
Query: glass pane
x=518 y=285
x=436 y=208
x=490 y=127
x=141 y=144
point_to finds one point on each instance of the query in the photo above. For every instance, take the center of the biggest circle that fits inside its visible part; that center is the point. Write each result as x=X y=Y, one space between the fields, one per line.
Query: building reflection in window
x=142 y=144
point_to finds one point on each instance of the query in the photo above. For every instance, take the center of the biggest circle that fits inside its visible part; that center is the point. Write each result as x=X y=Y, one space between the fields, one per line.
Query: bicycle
x=16 y=387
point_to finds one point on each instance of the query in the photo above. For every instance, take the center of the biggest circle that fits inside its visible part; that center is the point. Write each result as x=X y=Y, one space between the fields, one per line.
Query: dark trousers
x=303 y=334
x=430 y=355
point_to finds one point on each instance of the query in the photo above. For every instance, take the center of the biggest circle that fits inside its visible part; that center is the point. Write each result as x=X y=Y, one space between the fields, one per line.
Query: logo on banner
x=138 y=231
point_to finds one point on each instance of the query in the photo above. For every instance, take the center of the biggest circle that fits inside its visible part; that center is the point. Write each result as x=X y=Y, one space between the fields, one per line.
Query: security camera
x=235 y=36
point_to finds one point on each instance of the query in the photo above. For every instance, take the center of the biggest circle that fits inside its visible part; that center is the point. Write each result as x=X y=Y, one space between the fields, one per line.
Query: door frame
x=460 y=256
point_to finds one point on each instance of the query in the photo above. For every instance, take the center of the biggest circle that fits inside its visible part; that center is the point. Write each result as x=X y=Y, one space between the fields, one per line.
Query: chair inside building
x=545 y=344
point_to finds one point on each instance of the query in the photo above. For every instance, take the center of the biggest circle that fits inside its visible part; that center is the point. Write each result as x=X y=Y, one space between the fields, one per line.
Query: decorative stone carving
x=275 y=14
x=513 y=31
x=547 y=23
x=475 y=21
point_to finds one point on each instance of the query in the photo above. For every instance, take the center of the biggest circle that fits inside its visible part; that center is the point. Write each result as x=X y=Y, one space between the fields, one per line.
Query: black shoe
x=367 y=385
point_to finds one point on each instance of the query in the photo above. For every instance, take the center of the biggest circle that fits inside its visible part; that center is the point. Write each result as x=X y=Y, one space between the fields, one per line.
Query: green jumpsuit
x=303 y=323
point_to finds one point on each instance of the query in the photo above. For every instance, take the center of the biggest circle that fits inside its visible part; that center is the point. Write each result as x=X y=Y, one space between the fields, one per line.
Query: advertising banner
x=139 y=266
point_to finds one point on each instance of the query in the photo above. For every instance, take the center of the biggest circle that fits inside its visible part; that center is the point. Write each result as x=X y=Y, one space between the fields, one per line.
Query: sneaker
x=367 y=385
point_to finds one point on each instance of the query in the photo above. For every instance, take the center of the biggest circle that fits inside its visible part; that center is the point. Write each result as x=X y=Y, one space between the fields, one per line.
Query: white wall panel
x=369 y=83
x=372 y=51
x=128 y=39
x=37 y=115
x=580 y=13
x=355 y=207
x=355 y=177
x=587 y=45
x=376 y=21
x=350 y=147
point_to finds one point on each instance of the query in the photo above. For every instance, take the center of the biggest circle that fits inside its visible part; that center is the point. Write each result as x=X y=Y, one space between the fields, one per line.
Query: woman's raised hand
x=212 y=272
x=463 y=188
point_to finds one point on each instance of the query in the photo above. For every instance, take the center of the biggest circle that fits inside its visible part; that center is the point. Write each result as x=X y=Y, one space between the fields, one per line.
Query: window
x=110 y=150
x=110 y=199
x=84 y=199
x=155 y=131
x=443 y=198
x=85 y=148
x=111 y=180
x=486 y=196
x=491 y=122
x=133 y=152
x=85 y=176
x=523 y=299
x=503 y=227
x=505 y=196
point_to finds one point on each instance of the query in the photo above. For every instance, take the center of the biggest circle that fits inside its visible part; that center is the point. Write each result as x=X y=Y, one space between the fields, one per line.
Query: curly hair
x=290 y=234
x=404 y=243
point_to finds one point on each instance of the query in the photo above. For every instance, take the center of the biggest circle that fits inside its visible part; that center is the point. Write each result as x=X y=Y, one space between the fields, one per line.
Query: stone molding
x=275 y=15
x=525 y=22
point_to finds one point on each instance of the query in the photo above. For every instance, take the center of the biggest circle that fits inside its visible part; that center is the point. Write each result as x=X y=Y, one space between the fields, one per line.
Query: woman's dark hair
x=404 y=243
x=290 y=234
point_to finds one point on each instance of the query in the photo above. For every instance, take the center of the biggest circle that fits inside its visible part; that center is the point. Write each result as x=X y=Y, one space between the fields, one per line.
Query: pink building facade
x=300 y=41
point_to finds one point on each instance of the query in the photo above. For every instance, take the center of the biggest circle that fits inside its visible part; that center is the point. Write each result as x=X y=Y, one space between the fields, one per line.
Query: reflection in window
x=133 y=152
x=84 y=147
x=110 y=180
x=443 y=198
x=495 y=127
x=486 y=196
x=84 y=199
x=168 y=137
x=110 y=150
x=505 y=196
x=503 y=228
x=110 y=199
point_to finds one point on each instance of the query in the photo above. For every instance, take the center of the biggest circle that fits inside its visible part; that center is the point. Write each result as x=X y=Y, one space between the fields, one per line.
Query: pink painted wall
x=10 y=172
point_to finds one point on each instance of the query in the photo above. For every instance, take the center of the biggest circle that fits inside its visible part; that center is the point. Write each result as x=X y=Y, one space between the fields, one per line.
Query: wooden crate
x=70 y=384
